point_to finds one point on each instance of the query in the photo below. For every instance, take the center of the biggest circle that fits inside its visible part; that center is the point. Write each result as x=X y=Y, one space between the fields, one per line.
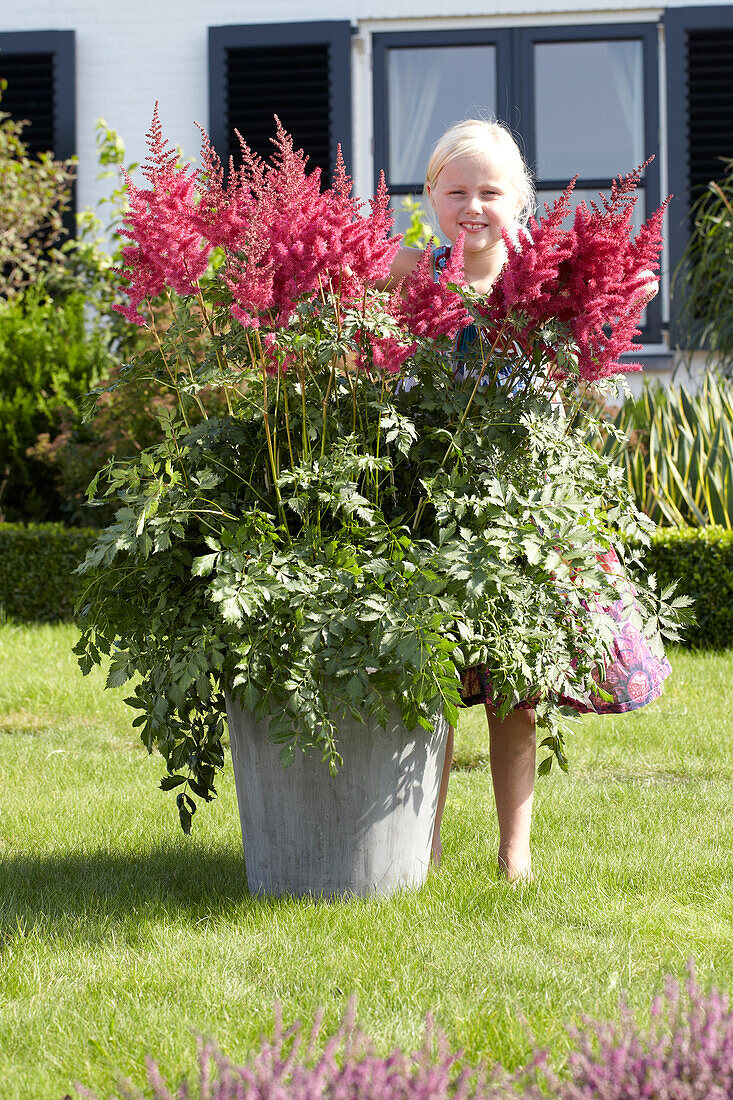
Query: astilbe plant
x=337 y=539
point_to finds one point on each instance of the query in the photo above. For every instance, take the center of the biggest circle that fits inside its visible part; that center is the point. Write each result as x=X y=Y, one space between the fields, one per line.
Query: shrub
x=701 y=559
x=34 y=195
x=287 y=1069
x=36 y=570
x=51 y=354
x=685 y=1052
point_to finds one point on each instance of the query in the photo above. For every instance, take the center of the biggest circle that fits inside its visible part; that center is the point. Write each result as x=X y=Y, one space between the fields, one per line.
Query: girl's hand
x=648 y=284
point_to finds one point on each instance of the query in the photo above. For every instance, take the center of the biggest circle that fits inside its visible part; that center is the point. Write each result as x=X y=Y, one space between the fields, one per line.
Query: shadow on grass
x=90 y=890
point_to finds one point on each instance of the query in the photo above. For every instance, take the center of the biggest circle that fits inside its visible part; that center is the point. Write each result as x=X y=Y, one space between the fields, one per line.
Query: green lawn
x=119 y=936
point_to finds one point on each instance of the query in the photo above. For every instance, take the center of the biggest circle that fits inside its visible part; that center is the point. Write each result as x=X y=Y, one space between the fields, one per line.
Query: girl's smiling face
x=476 y=196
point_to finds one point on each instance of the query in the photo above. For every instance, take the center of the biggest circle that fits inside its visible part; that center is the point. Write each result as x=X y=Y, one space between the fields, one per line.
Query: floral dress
x=633 y=675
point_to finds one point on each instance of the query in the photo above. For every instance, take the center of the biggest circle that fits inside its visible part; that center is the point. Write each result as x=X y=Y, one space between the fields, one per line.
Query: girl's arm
x=404 y=263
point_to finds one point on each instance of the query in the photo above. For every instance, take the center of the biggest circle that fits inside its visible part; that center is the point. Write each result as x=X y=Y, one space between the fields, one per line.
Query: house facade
x=589 y=91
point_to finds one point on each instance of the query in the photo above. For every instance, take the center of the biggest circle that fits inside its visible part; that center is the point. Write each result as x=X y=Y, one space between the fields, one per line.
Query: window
x=581 y=100
x=297 y=71
x=39 y=69
x=424 y=82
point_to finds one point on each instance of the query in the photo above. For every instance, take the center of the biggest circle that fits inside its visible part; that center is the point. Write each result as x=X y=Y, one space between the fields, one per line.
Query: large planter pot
x=366 y=830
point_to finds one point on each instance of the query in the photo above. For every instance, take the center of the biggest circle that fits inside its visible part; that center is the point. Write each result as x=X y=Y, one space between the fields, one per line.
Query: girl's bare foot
x=515 y=868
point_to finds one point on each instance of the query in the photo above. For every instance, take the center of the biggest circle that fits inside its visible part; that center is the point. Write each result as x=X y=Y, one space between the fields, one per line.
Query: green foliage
x=701 y=560
x=51 y=353
x=34 y=195
x=420 y=231
x=703 y=283
x=676 y=450
x=336 y=543
x=37 y=564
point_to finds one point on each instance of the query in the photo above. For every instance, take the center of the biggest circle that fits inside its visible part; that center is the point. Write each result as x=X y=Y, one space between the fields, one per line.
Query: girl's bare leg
x=512 y=753
x=435 y=847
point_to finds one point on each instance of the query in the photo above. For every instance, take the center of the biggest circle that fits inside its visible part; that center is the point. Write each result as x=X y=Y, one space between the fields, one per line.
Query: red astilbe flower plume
x=168 y=250
x=594 y=277
x=609 y=277
x=285 y=239
x=430 y=308
x=530 y=279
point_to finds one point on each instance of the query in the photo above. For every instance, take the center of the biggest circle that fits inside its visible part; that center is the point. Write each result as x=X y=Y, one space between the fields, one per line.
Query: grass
x=119 y=936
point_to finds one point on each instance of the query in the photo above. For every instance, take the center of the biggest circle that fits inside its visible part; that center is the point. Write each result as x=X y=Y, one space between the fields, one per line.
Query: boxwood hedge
x=37 y=582
x=37 y=563
x=701 y=559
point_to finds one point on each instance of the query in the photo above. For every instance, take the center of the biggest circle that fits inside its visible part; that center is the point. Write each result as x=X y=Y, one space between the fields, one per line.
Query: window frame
x=382 y=42
x=62 y=44
x=515 y=99
x=527 y=38
x=336 y=34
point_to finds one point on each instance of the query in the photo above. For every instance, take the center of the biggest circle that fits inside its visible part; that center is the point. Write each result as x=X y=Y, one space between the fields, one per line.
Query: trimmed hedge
x=37 y=582
x=37 y=562
x=701 y=559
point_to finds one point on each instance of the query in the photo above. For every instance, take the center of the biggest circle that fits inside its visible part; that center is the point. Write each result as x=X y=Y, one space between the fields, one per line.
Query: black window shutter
x=29 y=96
x=710 y=104
x=300 y=72
x=290 y=81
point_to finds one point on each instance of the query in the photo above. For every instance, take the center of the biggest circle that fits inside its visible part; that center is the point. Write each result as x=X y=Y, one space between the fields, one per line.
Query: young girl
x=478 y=184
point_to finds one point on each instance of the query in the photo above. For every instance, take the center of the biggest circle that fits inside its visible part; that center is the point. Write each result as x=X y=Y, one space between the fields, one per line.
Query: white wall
x=134 y=52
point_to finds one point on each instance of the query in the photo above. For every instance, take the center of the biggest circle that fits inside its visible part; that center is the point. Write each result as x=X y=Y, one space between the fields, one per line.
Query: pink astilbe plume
x=594 y=276
x=284 y=239
x=167 y=248
x=295 y=240
x=607 y=278
x=530 y=280
x=430 y=308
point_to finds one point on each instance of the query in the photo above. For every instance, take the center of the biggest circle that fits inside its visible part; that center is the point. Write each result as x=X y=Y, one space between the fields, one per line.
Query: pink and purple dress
x=633 y=675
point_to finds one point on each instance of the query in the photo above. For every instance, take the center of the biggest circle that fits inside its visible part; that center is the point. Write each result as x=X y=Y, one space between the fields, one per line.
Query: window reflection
x=430 y=88
x=589 y=108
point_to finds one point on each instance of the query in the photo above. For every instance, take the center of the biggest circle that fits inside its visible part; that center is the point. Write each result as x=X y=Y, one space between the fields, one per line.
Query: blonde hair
x=471 y=138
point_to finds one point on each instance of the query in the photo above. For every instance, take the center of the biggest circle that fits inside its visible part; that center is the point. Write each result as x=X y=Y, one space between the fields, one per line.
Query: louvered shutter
x=710 y=104
x=30 y=96
x=291 y=82
x=300 y=72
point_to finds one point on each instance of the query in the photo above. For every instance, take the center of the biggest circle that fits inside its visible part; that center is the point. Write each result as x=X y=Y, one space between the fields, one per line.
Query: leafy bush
x=51 y=353
x=37 y=564
x=703 y=283
x=677 y=452
x=683 y=1052
x=34 y=195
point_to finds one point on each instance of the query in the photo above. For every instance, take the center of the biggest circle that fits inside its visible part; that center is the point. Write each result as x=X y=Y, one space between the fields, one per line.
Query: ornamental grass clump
x=364 y=519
